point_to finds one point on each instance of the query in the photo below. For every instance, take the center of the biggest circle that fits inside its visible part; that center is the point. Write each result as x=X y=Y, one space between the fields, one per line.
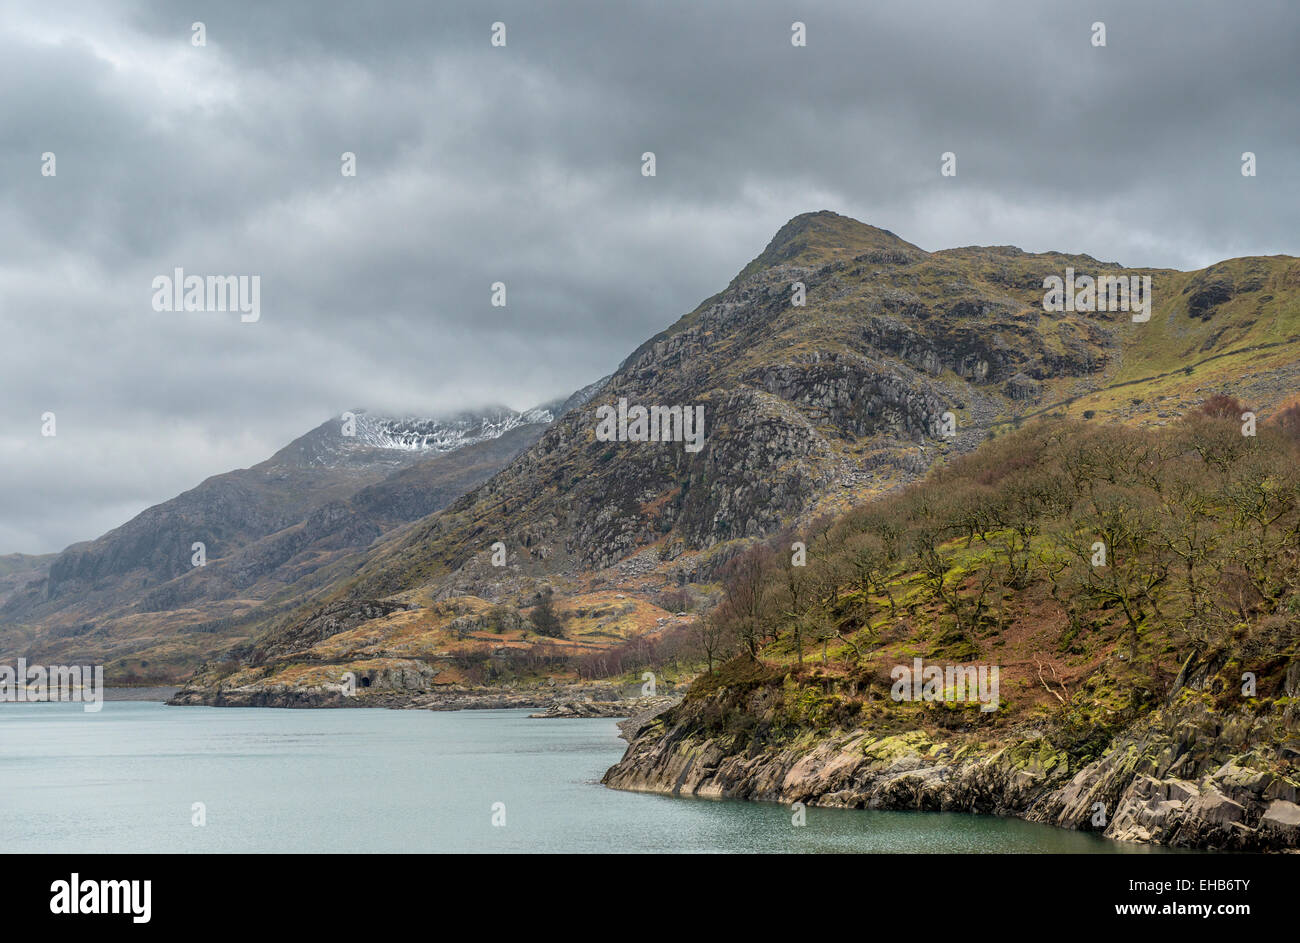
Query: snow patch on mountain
x=413 y=434
x=360 y=439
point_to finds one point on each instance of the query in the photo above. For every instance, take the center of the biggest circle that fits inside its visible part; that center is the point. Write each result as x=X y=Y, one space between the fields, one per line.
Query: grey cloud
x=522 y=165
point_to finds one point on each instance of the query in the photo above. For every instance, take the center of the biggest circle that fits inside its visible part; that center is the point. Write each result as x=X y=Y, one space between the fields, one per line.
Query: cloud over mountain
x=521 y=164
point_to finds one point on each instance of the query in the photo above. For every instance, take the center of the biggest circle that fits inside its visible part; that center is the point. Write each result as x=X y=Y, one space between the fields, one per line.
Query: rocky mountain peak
x=812 y=239
x=360 y=436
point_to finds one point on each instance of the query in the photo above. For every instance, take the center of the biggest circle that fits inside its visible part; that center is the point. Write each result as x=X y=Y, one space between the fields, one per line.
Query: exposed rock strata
x=1184 y=778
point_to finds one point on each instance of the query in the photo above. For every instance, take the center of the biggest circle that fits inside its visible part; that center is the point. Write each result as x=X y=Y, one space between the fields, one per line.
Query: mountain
x=362 y=440
x=19 y=569
x=134 y=597
x=898 y=359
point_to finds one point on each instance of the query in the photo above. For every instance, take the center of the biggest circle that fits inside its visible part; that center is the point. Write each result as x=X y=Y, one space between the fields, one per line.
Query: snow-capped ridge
x=415 y=434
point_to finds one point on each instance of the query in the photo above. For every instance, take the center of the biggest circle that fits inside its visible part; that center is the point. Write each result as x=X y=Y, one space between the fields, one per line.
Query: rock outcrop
x=1183 y=777
x=632 y=707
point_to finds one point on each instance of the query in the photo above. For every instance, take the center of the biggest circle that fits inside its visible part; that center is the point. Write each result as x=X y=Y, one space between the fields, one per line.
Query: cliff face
x=1185 y=775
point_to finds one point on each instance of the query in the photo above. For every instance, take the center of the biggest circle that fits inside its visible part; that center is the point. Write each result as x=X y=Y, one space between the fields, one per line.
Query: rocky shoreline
x=550 y=701
x=1184 y=777
x=634 y=708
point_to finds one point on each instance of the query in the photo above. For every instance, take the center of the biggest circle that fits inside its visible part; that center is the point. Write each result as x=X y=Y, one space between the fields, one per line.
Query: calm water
x=125 y=779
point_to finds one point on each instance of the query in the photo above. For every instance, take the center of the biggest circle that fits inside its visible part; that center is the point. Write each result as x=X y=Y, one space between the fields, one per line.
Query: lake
x=345 y=781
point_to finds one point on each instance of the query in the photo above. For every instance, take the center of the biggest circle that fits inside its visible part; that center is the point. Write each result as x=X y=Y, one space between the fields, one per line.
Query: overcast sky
x=522 y=164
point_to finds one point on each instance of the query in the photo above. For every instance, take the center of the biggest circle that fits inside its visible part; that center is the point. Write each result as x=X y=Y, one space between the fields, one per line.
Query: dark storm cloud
x=478 y=164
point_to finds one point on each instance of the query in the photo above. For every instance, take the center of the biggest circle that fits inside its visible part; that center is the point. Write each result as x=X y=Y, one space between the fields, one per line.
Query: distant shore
x=593 y=699
x=151 y=693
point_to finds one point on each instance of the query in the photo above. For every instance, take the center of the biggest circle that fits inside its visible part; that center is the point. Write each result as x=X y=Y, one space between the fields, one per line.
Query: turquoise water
x=340 y=781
